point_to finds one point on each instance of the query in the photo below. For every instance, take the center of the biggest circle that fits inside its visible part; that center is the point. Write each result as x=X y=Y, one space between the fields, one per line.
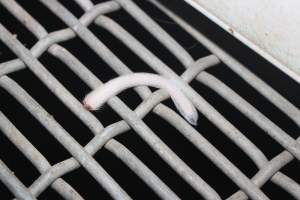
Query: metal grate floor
x=53 y=52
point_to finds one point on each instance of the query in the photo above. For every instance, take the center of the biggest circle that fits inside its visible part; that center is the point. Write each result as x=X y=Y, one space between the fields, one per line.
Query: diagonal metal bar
x=257 y=83
x=103 y=137
x=60 y=134
x=31 y=153
x=12 y=182
x=270 y=128
x=30 y=104
x=145 y=132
